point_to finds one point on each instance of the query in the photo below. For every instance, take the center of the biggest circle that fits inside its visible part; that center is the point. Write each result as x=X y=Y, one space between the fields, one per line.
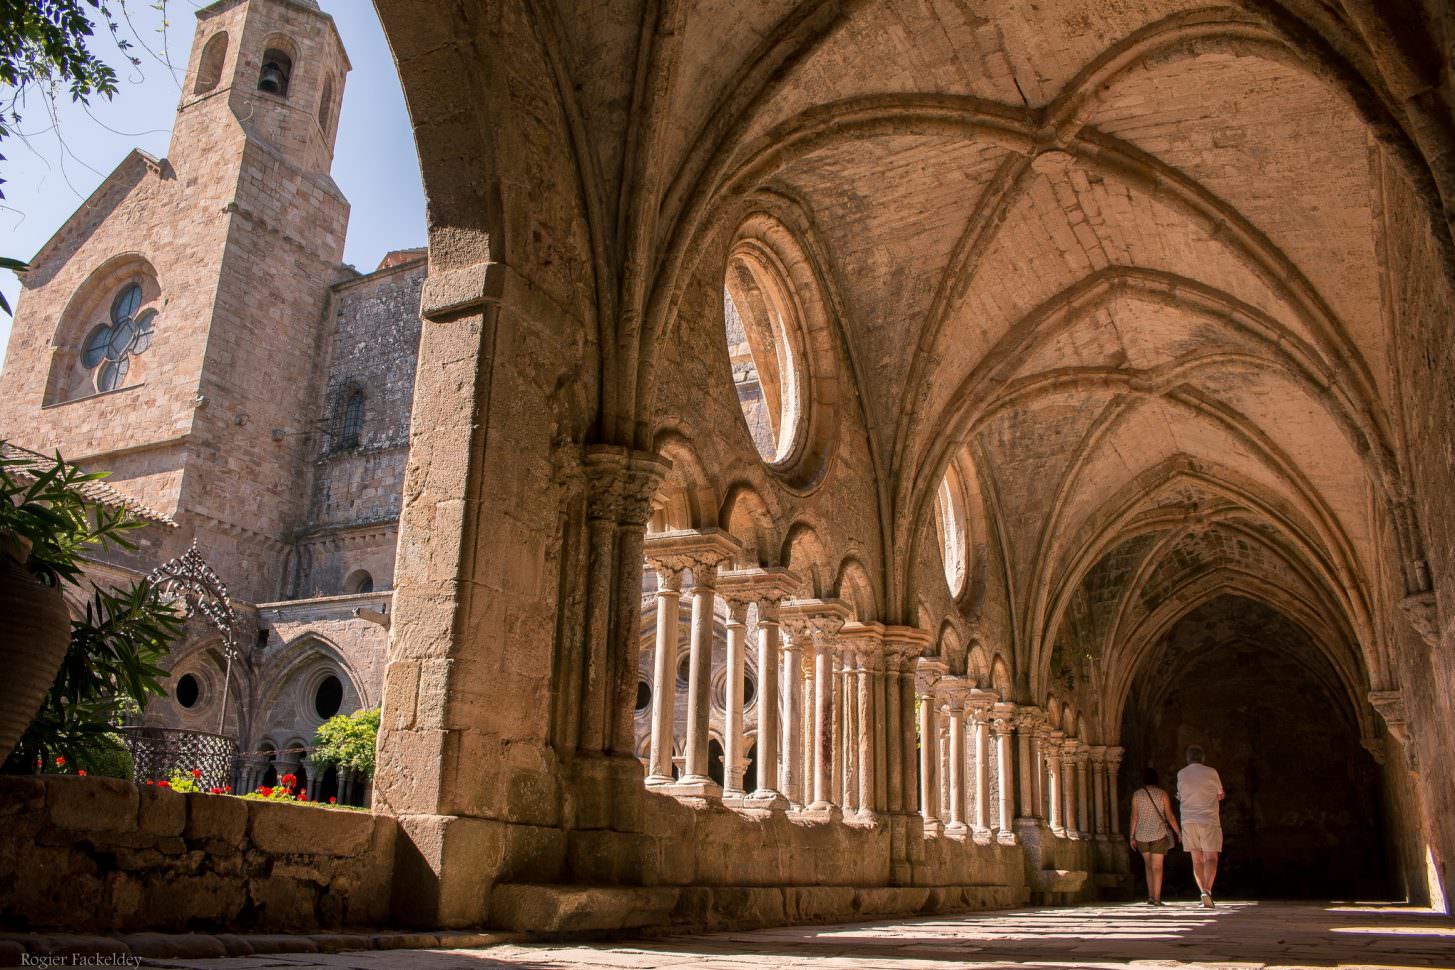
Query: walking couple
x=1154 y=826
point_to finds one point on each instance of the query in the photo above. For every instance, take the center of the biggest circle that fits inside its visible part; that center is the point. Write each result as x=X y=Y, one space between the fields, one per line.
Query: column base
x=1058 y=831
x=693 y=786
x=764 y=800
x=957 y=830
x=1006 y=838
x=982 y=836
x=657 y=781
x=933 y=828
x=821 y=812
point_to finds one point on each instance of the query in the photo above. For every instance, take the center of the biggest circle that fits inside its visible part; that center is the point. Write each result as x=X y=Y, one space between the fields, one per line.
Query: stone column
x=1052 y=747
x=808 y=732
x=836 y=704
x=928 y=674
x=1026 y=725
x=889 y=731
x=954 y=707
x=792 y=686
x=1098 y=790
x=1113 y=767
x=866 y=659
x=1038 y=766
x=1068 y=786
x=695 y=779
x=1083 y=812
x=766 y=588
x=664 y=674
x=823 y=712
x=909 y=643
x=851 y=731
x=981 y=702
x=879 y=732
x=1005 y=833
x=732 y=734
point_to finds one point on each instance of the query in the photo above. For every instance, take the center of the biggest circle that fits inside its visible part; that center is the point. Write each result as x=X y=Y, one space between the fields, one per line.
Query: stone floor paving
x=1235 y=935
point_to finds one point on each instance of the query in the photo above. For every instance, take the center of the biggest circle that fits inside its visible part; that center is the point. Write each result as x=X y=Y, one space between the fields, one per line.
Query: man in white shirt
x=1200 y=790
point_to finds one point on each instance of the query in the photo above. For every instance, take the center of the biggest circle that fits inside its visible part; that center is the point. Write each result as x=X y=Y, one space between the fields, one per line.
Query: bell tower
x=170 y=332
x=276 y=67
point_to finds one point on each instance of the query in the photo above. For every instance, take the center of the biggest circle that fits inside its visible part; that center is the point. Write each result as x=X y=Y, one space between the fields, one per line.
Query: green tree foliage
x=347 y=741
x=45 y=43
x=111 y=664
x=45 y=47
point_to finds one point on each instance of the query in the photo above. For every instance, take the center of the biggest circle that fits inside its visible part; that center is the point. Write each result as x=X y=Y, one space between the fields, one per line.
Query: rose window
x=111 y=346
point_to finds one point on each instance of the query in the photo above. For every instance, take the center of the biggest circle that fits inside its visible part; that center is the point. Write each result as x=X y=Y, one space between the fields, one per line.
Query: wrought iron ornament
x=190 y=581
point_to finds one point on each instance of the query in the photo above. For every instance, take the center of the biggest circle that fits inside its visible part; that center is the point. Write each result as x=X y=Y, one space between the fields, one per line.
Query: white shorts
x=1202 y=836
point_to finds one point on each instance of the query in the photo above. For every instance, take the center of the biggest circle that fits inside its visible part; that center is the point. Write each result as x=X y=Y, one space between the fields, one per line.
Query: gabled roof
x=29 y=465
x=98 y=198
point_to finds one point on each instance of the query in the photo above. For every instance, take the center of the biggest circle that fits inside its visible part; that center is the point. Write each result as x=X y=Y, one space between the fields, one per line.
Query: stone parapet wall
x=98 y=855
x=101 y=855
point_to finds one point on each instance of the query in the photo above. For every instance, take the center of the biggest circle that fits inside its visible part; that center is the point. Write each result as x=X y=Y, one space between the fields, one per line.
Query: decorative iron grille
x=157 y=753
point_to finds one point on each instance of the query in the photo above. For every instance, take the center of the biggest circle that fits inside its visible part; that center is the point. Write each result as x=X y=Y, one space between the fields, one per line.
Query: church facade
x=192 y=330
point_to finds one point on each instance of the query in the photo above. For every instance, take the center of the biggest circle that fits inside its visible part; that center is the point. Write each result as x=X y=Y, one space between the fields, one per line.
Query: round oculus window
x=644 y=696
x=188 y=691
x=328 y=697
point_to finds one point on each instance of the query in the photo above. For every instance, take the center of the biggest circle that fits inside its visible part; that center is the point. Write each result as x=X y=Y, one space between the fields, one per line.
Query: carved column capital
x=1002 y=716
x=767 y=587
x=815 y=620
x=700 y=550
x=928 y=672
x=1114 y=757
x=906 y=644
x=1029 y=719
x=1097 y=753
x=952 y=693
x=862 y=644
x=621 y=483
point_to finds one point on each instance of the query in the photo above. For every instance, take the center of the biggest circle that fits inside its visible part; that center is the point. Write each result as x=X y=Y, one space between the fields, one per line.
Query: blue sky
x=53 y=168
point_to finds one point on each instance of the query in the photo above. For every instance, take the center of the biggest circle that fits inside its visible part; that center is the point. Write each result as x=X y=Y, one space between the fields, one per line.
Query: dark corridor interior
x=1302 y=815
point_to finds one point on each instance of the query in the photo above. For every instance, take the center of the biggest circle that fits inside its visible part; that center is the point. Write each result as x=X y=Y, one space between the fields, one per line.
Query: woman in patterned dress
x=1153 y=828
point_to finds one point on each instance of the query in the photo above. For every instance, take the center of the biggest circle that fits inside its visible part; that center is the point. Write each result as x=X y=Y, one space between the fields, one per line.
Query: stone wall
x=1423 y=307
x=357 y=485
x=98 y=855
x=101 y=855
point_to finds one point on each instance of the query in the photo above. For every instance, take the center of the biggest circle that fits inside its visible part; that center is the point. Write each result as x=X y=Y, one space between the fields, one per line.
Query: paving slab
x=1235 y=936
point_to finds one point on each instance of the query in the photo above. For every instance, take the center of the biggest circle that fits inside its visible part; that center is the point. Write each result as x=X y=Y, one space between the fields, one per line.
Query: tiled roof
x=31 y=464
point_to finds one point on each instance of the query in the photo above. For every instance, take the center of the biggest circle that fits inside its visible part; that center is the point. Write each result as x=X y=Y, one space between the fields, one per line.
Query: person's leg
x=1209 y=871
x=1154 y=875
x=1147 y=858
x=1199 y=863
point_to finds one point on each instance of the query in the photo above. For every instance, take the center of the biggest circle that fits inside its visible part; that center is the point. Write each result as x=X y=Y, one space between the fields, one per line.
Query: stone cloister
x=1025 y=390
x=1090 y=348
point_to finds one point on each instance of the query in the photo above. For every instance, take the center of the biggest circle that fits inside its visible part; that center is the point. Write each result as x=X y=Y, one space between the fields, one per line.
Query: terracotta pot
x=35 y=629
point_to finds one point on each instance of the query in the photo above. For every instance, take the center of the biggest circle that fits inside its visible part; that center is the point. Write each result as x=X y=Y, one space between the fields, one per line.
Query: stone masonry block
x=210 y=818
x=92 y=804
x=298 y=829
x=161 y=812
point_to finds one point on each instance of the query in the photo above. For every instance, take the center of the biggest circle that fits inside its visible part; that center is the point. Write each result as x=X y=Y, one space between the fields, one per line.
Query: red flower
x=332 y=800
x=164 y=783
x=289 y=781
x=196 y=772
x=150 y=782
x=227 y=789
x=60 y=761
x=82 y=772
x=265 y=791
x=303 y=797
